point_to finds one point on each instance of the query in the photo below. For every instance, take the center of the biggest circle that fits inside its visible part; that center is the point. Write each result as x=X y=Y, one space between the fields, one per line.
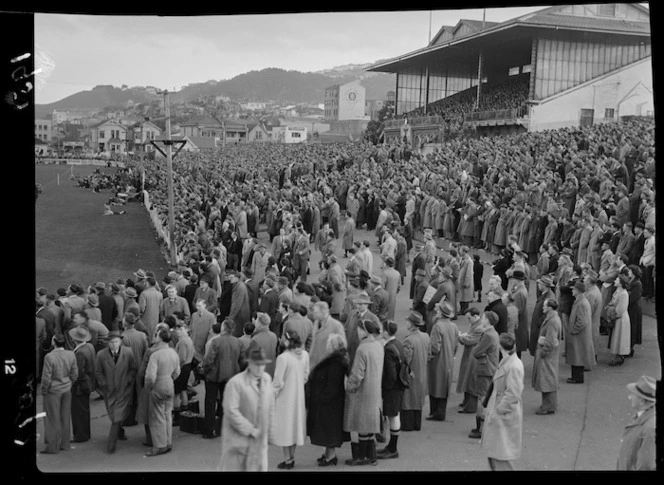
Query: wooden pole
x=169 y=169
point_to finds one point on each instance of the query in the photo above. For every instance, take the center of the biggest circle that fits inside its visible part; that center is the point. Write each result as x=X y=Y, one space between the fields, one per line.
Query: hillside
x=267 y=84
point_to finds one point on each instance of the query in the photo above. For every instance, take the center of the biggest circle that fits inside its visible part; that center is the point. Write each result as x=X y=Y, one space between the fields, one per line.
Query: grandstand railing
x=419 y=121
x=500 y=114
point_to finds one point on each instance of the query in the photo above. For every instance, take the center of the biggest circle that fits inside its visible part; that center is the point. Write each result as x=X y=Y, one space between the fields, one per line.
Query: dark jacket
x=109 y=310
x=325 y=401
x=222 y=359
x=499 y=308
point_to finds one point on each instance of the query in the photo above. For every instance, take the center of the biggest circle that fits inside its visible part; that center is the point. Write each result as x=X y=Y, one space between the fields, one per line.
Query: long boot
x=361 y=457
x=372 y=459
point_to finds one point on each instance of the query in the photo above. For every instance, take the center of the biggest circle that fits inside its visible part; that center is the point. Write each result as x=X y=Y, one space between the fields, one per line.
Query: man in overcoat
x=579 y=351
x=416 y=353
x=503 y=427
x=545 y=365
x=422 y=283
x=465 y=282
x=149 y=302
x=248 y=411
x=444 y=342
x=380 y=299
x=638 y=449
x=594 y=297
x=138 y=343
x=545 y=287
x=445 y=292
x=59 y=372
x=240 y=309
x=84 y=384
x=487 y=357
x=336 y=279
x=359 y=313
x=519 y=295
x=391 y=282
x=116 y=370
x=324 y=326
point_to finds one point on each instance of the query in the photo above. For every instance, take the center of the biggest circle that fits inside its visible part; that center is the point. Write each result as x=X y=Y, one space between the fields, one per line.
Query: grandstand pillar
x=426 y=93
x=533 y=69
x=479 y=78
x=396 y=97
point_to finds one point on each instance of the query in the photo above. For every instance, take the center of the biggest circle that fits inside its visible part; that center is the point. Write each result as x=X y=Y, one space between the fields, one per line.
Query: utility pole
x=169 y=172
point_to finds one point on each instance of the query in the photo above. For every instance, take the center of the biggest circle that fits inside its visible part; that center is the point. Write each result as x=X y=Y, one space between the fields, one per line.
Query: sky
x=78 y=52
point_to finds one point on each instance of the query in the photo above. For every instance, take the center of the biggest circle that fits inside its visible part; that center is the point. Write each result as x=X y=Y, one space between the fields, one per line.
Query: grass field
x=75 y=242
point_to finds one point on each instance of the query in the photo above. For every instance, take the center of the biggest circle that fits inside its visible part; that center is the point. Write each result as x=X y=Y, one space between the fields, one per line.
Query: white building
x=345 y=102
x=289 y=134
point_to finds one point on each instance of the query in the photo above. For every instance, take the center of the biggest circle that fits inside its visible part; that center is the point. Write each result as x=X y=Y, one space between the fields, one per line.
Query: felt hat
x=547 y=281
x=519 y=275
x=131 y=292
x=416 y=318
x=140 y=274
x=445 y=309
x=375 y=279
x=114 y=334
x=447 y=272
x=644 y=388
x=363 y=298
x=580 y=285
x=256 y=354
x=100 y=285
x=93 y=299
x=80 y=334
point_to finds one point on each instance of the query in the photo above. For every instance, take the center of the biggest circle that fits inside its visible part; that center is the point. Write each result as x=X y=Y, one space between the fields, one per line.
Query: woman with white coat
x=620 y=335
x=290 y=374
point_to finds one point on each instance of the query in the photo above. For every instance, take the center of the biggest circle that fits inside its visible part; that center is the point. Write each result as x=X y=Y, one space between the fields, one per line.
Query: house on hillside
x=141 y=133
x=257 y=131
x=108 y=136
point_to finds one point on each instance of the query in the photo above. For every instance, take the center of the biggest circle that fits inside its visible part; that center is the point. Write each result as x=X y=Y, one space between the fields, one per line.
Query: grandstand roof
x=549 y=18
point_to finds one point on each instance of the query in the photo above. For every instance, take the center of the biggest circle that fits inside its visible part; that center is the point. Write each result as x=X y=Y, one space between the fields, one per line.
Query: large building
x=568 y=65
x=44 y=130
x=345 y=102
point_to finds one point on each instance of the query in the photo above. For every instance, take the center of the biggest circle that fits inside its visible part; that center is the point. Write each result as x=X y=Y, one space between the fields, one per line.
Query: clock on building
x=352 y=96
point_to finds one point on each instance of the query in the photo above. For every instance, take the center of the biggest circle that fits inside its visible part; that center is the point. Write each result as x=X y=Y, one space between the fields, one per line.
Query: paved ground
x=583 y=435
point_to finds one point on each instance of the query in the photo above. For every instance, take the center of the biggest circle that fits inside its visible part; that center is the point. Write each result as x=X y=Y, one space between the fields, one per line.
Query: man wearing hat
x=240 y=310
x=140 y=284
x=519 y=295
x=173 y=304
x=368 y=257
x=74 y=303
x=116 y=369
x=545 y=290
x=380 y=299
x=446 y=292
x=638 y=449
x=391 y=282
x=416 y=352
x=335 y=279
x=138 y=342
x=117 y=292
x=149 y=302
x=647 y=262
x=594 y=297
x=626 y=241
x=466 y=281
x=421 y=285
x=107 y=306
x=487 y=356
x=440 y=367
x=59 y=372
x=248 y=405
x=92 y=308
x=546 y=363
x=388 y=248
x=419 y=262
x=85 y=356
x=579 y=350
x=429 y=250
x=359 y=313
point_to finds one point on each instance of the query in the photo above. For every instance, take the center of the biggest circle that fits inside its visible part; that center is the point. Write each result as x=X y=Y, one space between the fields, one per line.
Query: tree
x=375 y=128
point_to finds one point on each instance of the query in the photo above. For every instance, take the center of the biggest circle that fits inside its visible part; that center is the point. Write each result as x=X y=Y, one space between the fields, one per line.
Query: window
x=513 y=71
x=587 y=116
x=526 y=68
x=607 y=9
x=609 y=113
x=295 y=135
x=101 y=134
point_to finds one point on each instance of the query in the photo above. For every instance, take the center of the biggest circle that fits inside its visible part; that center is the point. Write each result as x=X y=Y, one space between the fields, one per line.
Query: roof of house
x=203 y=141
x=115 y=140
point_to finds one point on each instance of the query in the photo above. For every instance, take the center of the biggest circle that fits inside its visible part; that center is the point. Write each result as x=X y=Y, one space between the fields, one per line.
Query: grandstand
x=568 y=65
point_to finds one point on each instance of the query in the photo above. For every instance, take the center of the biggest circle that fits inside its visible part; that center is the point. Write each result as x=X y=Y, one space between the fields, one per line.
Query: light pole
x=169 y=175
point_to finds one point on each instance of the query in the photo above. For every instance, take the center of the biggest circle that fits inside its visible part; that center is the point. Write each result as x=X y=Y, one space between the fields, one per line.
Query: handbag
x=609 y=317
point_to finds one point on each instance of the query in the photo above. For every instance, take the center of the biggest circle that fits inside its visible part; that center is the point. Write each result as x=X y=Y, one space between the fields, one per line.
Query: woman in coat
x=363 y=394
x=163 y=367
x=634 y=310
x=503 y=425
x=444 y=343
x=466 y=381
x=620 y=336
x=290 y=374
x=545 y=365
x=143 y=395
x=326 y=395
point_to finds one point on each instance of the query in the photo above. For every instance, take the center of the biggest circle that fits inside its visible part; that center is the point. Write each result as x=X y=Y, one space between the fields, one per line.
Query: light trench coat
x=246 y=407
x=545 y=365
x=290 y=374
x=363 y=388
x=503 y=425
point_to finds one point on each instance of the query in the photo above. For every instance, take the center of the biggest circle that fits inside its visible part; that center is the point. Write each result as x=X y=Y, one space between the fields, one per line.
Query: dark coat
x=109 y=310
x=392 y=390
x=634 y=290
x=116 y=381
x=499 y=308
x=325 y=401
x=269 y=303
x=222 y=359
x=537 y=319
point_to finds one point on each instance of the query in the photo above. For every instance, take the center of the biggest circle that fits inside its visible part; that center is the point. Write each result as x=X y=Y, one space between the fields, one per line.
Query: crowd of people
x=508 y=94
x=568 y=211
